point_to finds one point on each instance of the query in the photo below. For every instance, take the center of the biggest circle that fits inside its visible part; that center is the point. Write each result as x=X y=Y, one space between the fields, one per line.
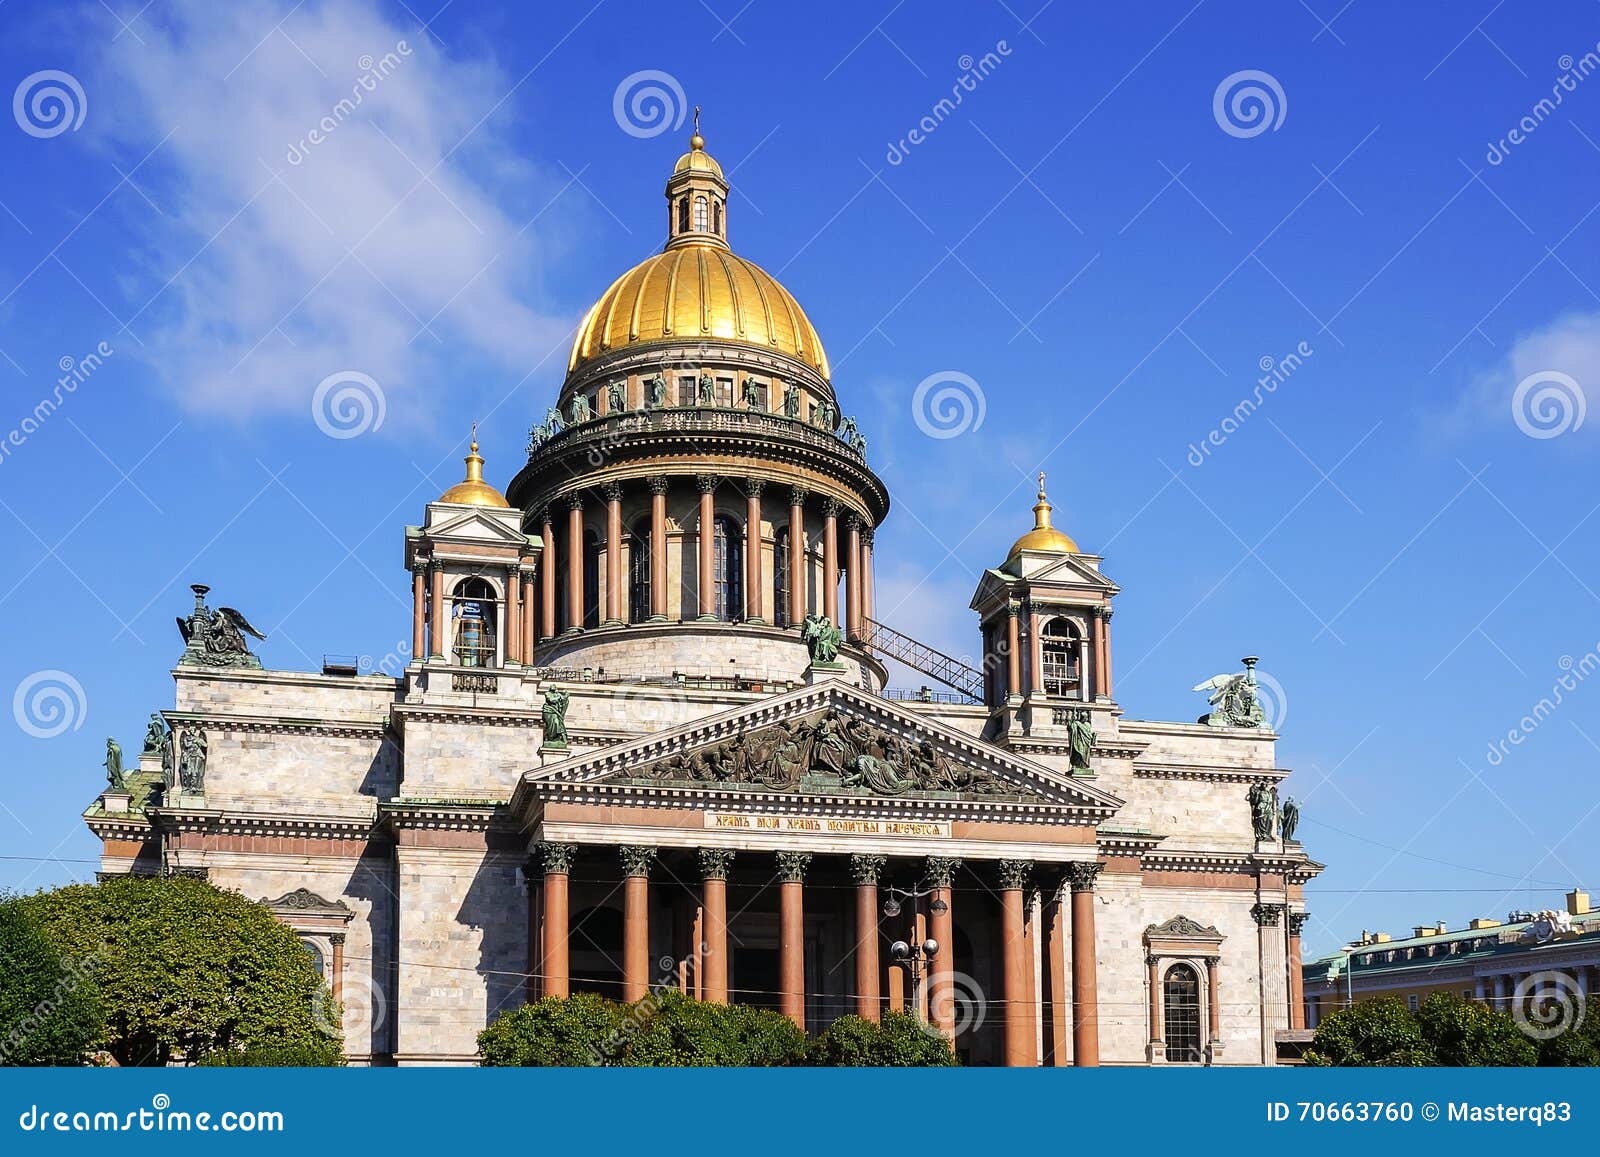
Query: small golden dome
x=1043 y=536
x=697 y=160
x=473 y=490
x=698 y=292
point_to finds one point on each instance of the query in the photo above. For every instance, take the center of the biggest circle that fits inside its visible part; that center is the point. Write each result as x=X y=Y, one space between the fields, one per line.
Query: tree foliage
x=1464 y=1032
x=322 y=1054
x=185 y=968
x=1447 y=1030
x=49 y=1005
x=668 y=1029
x=1374 y=1032
x=899 y=1040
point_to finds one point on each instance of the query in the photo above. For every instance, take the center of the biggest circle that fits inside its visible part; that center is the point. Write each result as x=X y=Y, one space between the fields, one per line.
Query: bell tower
x=697 y=197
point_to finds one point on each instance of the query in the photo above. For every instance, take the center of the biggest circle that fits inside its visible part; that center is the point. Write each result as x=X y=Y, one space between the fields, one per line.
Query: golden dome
x=697 y=289
x=1043 y=536
x=698 y=292
x=473 y=490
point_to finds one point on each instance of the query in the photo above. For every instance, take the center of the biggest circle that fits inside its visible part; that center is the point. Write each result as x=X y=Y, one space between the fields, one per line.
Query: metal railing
x=690 y=419
x=927 y=695
x=920 y=657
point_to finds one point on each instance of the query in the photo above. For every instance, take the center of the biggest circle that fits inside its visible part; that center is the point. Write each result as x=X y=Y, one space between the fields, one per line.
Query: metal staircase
x=921 y=657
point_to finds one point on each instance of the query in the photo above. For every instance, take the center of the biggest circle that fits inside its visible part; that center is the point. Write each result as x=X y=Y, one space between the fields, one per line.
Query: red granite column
x=852 y=576
x=636 y=921
x=830 y=561
x=866 y=869
x=439 y=615
x=1035 y=652
x=1085 y=999
x=336 y=979
x=1019 y=1025
x=658 y=547
x=419 y=610
x=792 y=935
x=616 y=612
x=1102 y=623
x=1214 y=995
x=533 y=957
x=547 y=576
x=1055 y=974
x=1154 y=986
x=529 y=635
x=940 y=873
x=513 y=621
x=1297 y=990
x=708 y=588
x=752 y=550
x=797 y=554
x=575 y=607
x=1013 y=653
x=868 y=607
x=553 y=964
x=714 y=865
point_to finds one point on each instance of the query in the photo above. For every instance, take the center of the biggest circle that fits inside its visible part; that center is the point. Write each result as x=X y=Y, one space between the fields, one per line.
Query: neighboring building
x=612 y=762
x=1504 y=964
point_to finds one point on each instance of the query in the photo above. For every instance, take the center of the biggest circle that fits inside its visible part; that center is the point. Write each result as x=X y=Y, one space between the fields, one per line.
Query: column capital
x=706 y=483
x=753 y=487
x=866 y=869
x=636 y=859
x=1103 y=612
x=714 y=862
x=792 y=866
x=421 y=567
x=546 y=517
x=1297 y=921
x=940 y=871
x=556 y=859
x=854 y=521
x=798 y=495
x=336 y=939
x=831 y=508
x=1081 y=874
x=612 y=491
x=575 y=501
x=1014 y=874
x=1266 y=915
x=658 y=483
x=867 y=535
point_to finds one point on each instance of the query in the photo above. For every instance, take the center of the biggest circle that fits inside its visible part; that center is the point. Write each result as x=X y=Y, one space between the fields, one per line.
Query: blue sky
x=1404 y=536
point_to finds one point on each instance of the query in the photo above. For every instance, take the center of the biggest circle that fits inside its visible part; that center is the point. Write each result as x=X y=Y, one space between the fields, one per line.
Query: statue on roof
x=580 y=408
x=192 y=760
x=155 y=733
x=1290 y=819
x=554 y=712
x=216 y=638
x=1080 y=733
x=617 y=397
x=113 y=765
x=1263 y=800
x=1234 y=699
x=791 y=401
x=655 y=393
x=821 y=637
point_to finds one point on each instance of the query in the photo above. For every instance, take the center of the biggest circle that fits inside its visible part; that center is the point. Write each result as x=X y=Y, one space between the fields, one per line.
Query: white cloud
x=384 y=248
x=1566 y=348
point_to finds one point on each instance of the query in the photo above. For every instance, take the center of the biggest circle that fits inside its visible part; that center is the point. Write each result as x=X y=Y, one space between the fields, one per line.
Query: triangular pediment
x=474 y=524
x=1070 y=570
x=829 y=745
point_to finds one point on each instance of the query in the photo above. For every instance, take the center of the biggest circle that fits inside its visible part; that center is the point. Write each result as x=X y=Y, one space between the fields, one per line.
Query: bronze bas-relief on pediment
x=830 y=753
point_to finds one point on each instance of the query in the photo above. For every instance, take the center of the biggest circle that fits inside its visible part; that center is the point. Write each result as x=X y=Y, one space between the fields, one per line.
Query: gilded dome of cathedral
x=1043 y=536
x=697 y=289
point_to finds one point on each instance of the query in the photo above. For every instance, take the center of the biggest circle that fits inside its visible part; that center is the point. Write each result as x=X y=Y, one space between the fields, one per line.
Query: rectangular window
x=1411 y=1002
x=725 y=392
x=685 y=391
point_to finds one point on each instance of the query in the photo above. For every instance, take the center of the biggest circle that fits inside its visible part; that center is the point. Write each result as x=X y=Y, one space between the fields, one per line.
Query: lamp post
x=914 y=958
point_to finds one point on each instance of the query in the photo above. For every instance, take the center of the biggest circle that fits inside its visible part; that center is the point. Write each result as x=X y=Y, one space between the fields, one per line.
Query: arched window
x=701 y=224
x=638 y=576
x=473 y=614
x=1180 y=1010
x=593 y=552
x=315 y=953
x=683 y=215
x=727 y=569
x=1060 y=648
x=780 y=578
x=716 y=217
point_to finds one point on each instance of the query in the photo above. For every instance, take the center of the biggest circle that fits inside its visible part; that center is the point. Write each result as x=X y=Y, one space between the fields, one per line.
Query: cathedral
x=645 y=739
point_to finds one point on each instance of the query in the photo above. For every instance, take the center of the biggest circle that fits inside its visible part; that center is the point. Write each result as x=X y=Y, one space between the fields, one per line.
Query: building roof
x=1471 y=943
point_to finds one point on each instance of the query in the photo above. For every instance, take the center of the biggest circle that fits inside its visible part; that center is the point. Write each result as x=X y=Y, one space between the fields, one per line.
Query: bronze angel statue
x=216 y=638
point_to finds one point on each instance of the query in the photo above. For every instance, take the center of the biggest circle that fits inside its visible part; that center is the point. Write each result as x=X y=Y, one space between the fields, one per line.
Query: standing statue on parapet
x=1291 y=818
x=822 y=638
x=1264 y=810
x=708 y=391
x=1080 y=733
x=192 y=760
x=556 y=702
x=113 y=766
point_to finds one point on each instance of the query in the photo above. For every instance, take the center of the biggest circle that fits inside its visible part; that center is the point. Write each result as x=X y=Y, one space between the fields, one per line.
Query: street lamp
x=915 y=959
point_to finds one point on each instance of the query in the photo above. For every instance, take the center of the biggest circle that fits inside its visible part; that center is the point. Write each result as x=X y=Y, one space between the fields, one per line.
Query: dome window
x=716 y=217
x=683 y=215
x=701 y=224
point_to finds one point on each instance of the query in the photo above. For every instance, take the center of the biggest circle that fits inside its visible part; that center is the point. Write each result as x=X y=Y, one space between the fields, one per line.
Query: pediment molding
x=804 y=747
x=474 y=524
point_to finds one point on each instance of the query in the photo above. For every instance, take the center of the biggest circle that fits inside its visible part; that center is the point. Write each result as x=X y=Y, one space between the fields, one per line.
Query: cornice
x=280 y=725
x=227 y=821
x=1209 y=774
x=446 y=815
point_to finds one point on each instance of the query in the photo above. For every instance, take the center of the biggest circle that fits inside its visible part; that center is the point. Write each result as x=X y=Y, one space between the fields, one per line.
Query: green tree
x=899 y=1039
x=1462 y=1032
x=320 y=1055
x=572 y=1032
x=1374 y=1032
x=49 y=1006
x=669 y=1029
x=186 y=968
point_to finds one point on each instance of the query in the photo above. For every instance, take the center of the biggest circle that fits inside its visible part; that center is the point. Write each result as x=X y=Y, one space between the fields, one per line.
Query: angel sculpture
x=216 y=638
x=821 y=638
x=1234 y=699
